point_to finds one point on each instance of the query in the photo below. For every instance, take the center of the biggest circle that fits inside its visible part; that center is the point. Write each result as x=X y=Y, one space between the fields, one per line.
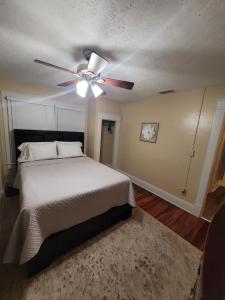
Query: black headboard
x=25 y=135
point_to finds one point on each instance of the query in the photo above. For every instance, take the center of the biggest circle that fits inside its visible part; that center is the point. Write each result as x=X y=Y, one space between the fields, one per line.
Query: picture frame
x=149 y=132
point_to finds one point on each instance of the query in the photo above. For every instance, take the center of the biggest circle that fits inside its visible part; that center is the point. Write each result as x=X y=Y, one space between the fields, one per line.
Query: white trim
x=189 y=207
x=117 y=120
x=210 y=154
x=26 y=100
x=74 y=107
x=29 y=100
x=7 y=120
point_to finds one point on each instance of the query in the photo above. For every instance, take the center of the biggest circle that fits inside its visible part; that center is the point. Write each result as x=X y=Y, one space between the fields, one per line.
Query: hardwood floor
x=213 y=202
x=189 y=227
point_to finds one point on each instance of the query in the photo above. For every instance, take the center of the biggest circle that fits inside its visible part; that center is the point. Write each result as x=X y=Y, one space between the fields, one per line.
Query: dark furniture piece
x=213 y=265
x=63 y=241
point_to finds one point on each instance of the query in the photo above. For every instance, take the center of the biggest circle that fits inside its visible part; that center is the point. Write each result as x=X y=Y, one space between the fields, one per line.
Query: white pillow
x=69 y=143
x=22 y=146
x=69 y=149
x=39 y=151
x=26 y=154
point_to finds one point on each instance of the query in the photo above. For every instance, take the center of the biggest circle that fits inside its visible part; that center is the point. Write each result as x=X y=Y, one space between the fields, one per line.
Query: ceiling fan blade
x=64 y=84
x=118 y=83
x=96 y=63
x=54 y=66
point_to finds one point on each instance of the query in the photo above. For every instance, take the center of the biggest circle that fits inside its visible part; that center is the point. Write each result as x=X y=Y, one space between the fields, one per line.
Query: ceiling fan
x=88 y=76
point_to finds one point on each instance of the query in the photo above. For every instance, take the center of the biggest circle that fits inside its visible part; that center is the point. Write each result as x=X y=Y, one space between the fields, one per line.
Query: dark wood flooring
x=189 y=227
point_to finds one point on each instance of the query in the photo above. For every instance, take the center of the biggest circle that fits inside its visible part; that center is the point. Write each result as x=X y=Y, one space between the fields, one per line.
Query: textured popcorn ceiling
x=160 y=44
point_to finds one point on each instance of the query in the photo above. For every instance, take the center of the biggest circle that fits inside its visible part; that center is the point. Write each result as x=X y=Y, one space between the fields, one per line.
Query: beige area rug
x=138 y=258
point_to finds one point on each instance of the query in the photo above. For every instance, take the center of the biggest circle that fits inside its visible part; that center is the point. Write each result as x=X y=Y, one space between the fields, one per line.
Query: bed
x=63 y=202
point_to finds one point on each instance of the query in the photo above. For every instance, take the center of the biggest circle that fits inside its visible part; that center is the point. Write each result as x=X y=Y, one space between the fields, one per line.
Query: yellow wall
x=108 y=106
x=91 y=127
x=165 y=163
x=26 y=89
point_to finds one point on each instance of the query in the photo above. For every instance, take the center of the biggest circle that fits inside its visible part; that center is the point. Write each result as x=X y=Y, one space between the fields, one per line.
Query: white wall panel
x=51 y=118
x=29 y=116
x=43 y=117
x=19 y=114
x=71 y=120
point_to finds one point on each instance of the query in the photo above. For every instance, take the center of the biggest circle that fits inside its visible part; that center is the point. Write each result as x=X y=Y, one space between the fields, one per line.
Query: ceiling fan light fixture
x=89 y=74
x=82 y=87
x=97 y=91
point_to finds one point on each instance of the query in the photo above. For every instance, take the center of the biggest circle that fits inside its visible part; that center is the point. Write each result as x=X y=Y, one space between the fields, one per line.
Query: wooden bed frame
x=63 y=241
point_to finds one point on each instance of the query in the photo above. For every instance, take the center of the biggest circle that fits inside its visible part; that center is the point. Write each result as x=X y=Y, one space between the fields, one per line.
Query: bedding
x=58 y=194
x=24 y=153
x=43 y=151
x=69 y=149
x=24 y=156
x=37 y=151
x=49 y=150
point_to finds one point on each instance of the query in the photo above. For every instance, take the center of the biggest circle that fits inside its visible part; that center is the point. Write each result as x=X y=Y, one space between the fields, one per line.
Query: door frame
x=117 y=120
x=210 y=155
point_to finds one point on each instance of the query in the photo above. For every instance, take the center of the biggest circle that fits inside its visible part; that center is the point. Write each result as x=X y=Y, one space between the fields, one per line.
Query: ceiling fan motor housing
x=84 y=73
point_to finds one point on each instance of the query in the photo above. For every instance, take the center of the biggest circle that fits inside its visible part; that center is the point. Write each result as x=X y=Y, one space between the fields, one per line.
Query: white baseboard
x=189 y=207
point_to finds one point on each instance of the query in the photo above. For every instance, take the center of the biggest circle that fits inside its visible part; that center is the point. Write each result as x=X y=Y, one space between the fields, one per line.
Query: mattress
x=58 y=194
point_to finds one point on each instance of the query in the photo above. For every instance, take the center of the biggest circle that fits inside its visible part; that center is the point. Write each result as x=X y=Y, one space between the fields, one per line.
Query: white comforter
x=58 y=194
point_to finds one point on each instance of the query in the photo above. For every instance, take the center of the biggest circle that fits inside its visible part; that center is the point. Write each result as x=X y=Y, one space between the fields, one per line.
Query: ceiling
x=158 y=44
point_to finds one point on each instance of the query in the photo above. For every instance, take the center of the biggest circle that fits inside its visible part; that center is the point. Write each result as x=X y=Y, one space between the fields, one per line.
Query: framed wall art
x=149 y=132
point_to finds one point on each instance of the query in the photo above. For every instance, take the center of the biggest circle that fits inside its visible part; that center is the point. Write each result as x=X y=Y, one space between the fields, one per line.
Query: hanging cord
x=184 y=191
